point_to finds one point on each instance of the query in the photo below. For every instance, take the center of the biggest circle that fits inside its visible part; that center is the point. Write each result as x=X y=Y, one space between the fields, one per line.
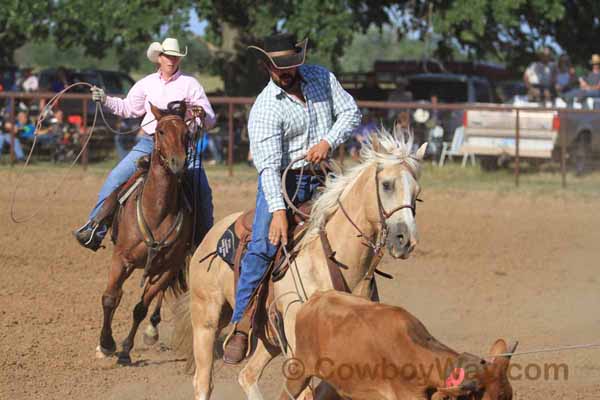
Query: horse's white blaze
x=407 y=213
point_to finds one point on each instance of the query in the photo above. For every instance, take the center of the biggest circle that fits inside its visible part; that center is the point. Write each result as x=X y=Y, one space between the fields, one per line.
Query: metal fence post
x=13 y=131
x=231 y=137
x=85 y=156
x=563 y=148
x=517 y=158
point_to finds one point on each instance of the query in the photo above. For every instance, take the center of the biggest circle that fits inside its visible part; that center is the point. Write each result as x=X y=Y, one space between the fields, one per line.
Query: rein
x=155 y=246
x=377 y=245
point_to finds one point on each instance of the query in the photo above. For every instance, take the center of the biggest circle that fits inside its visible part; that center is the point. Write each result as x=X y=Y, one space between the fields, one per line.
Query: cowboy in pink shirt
x=161 y=88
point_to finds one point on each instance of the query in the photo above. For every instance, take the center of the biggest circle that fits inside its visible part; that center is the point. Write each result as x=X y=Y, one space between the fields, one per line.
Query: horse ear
x=500 y=347
x=421 y=152
x=156 y=112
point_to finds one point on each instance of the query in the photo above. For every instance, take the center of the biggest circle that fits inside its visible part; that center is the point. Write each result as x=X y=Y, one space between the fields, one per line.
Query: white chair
x=453 y=149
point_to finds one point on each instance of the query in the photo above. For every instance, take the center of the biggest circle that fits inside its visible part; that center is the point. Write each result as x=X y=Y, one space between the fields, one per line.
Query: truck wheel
x=488 y=163
x=581 y=153
x=581 y=157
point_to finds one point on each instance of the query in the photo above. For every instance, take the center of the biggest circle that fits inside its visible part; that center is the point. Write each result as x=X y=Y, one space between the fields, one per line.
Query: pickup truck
x=491 y=136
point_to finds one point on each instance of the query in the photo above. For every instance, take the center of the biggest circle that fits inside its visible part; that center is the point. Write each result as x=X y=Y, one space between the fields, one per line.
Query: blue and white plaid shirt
x=281 y=128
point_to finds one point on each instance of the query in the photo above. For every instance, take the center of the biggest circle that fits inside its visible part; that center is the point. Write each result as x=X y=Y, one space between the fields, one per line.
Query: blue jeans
x=260 y=251
x=5 y=138
x=126 y=168
x=580 y=94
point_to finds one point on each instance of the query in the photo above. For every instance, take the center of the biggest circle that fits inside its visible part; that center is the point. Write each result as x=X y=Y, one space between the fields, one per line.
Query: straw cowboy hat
x=595 y=59
x=169 y=46
x=282 y=51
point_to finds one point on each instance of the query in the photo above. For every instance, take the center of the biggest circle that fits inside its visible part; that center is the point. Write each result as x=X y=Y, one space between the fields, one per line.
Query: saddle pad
x=227 y=245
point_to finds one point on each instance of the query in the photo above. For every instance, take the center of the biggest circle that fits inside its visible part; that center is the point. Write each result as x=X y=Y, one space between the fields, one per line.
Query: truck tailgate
x=494 y=133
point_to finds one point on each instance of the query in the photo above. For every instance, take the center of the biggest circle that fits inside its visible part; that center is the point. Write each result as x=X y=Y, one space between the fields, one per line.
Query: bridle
x=379 y=243
x=155 y=246
x=161 y=157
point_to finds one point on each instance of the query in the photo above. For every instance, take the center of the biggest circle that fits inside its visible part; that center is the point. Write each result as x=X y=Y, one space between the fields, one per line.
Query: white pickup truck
x=491 y=135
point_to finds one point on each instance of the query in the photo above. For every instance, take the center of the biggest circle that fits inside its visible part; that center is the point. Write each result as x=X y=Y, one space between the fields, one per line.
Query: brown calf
x=369 y=350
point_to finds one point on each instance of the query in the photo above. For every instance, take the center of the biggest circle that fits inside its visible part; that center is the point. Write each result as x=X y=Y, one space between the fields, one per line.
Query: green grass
x=450 y=177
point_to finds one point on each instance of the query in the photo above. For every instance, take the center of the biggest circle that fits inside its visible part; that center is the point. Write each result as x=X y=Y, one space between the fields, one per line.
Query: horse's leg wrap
x=140 y=311
x=155 y=318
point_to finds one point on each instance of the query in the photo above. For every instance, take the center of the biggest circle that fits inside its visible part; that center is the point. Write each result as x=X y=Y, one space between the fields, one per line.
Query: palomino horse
x=154 y=231
x=378 y=195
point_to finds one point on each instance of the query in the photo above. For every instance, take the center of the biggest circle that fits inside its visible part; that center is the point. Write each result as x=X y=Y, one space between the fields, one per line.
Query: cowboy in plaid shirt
x=303 y=110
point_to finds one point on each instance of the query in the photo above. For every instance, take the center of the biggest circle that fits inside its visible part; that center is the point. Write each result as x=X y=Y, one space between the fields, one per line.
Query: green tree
x=578 y=30
x=329 y=25
x=21 y=21
x=508 y=30
x=125 y=26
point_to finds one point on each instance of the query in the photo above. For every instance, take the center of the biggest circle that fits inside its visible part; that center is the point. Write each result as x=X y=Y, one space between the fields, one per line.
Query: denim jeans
x=260 y=250
x=126 y=168
x=5 y=138
x=580 y=94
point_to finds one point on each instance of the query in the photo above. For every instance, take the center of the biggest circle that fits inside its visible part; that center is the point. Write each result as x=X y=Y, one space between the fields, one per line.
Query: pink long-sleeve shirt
x=154 y=89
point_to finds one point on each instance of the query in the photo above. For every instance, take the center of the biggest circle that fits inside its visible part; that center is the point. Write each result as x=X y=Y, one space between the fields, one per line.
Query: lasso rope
x=41 y=117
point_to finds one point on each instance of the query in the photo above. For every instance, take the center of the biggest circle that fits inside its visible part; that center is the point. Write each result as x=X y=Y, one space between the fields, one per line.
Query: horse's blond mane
x=383 y=147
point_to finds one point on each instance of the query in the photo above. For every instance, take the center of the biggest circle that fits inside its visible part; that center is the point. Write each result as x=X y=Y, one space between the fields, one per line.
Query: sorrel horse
x=378 y=195
x=154 y=232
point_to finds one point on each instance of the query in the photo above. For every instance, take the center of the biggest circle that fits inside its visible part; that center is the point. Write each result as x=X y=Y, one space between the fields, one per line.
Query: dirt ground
x=490 y=264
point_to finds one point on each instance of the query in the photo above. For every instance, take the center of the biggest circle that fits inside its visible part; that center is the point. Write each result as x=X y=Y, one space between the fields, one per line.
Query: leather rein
x=378 y=245
x=155 y=246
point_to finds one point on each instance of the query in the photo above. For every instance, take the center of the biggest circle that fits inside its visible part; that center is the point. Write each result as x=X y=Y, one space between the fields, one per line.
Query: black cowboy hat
x=282 y=50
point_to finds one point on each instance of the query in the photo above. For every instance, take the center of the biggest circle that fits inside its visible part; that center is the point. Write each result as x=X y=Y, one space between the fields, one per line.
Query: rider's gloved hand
x=198 y=112
x=98 y=94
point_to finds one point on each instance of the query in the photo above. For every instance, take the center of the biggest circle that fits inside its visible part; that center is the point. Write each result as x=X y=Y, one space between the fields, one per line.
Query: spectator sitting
x=540 y=77
x=566 y=79
x=30 y=82
x=25 y=129
x=60 y=80
x=588 y=86
x=371 y=91
x=5 y=137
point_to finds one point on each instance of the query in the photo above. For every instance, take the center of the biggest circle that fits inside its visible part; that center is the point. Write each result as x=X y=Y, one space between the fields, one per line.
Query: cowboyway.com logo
x=294 y=368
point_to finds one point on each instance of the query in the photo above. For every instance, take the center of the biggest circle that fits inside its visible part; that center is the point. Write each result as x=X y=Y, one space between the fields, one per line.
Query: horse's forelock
x=383 y=147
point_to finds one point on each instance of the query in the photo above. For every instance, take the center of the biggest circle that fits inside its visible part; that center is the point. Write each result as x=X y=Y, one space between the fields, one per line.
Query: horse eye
x=387 y=186
x=160 y=132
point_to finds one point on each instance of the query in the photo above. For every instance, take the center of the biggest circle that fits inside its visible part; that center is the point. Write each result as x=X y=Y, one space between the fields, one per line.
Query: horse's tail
x=182 y=340
x=179 y=285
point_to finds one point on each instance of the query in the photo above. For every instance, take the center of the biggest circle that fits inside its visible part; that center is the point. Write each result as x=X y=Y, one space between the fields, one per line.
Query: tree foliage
x=125 y=26
x=329 y=25
x=21 y=20
x=506 y=30
x=509 y=30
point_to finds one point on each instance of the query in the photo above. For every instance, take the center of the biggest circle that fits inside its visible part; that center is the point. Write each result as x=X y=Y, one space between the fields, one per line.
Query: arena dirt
x=488 y=265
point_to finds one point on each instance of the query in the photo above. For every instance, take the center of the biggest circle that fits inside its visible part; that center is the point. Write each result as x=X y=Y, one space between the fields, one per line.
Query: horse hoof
x=124 y=359
x=150 y=335
x=101 y=352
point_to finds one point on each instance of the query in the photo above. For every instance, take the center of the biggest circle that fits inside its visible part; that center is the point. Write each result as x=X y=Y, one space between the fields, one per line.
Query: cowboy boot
x=93 y=232
x=235 y=346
